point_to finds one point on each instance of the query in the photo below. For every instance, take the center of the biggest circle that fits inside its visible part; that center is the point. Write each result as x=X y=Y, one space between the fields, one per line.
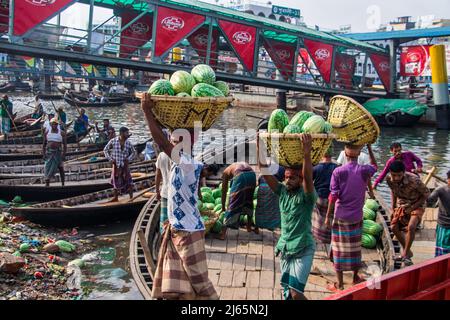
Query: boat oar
x=139 y=194
x=430 y=175
x=435 y=176
x=10 y=117
x=256 y=117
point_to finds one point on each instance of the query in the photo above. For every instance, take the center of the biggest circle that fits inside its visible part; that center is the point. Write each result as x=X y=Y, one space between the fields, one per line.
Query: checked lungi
x=241 y=198
x=163 y=214
x=320 y=230
x=53 y=161
x=267 y=211
x=182 y=270
x=346 y=245
x=442 y=241
x=121 y=178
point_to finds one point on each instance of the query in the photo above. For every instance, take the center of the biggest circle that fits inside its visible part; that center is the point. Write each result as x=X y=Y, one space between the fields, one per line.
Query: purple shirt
x=408 y=158
x=348 y=188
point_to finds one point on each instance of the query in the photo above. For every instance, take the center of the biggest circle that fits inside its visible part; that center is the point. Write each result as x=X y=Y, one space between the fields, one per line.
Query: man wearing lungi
x=120 y=152
x=6 y=114
x=322 y=179
x=182 y=270
x=243 y=184
x=296 y=244
x=443 y=222
x=409 y=195
x=54 y=149
x=346 y=200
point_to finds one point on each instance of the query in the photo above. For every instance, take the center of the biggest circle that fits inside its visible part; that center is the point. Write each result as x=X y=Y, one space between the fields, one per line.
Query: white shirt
x=363 y=159
x=183 y=196
x=164 y=163
x=48 y=126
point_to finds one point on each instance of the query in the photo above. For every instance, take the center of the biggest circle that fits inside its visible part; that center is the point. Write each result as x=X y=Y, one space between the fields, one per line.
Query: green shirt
x=296 y=212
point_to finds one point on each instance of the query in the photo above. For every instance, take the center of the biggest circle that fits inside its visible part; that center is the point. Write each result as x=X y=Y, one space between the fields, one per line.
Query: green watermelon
x=300 y=118
x=372 y=204
x=218 y=208
x=205 y=90
x=182 y=81
x=243 y=219
x=255 y=202
x=206 y=189
x=183 y=94
x=217 y=227
x=369 y=214
x=222 y=86
x=314 y=124
x=218 y=201
x=222 y=217
x=209 y=206
x=328 y=128
x=278 y=121
x=203 y=73
x=217 y=193
x=291 y=128
x=207 y=197
x=368 y=241
x=371 y=227
x=199 y=204
x=255 y=193
x=161 y=87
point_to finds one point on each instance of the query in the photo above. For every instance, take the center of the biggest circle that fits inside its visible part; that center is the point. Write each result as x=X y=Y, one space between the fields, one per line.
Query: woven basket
x=351 y=122
x=213 y=217
x=181 y=112
x=287 y=149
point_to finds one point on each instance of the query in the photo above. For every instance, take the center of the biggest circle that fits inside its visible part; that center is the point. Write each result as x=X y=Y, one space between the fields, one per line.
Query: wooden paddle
x=139 y=194
x=434 y=175
x=10 y=117
x=429 y=176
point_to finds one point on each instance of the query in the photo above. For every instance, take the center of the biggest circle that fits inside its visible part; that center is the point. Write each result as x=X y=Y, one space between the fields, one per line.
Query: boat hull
x=397 y=119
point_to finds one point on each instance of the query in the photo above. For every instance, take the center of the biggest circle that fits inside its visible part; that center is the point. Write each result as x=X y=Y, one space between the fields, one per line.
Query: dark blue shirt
x=322 y=178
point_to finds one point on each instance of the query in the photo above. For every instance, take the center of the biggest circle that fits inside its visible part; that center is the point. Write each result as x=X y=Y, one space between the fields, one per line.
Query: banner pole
x=210 y=39
x=91 y=17
x=11 y=21
x=333 y=68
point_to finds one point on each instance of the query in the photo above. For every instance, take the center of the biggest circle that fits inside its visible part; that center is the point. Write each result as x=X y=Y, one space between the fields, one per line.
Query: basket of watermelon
x=187 y=98
x=283 y=137
x=351 y=122
x=371 y=230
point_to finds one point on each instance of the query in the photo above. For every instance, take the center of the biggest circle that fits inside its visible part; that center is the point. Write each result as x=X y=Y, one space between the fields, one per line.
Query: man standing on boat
x=409 y=195
x=6 y=114
x=182 y=270
x=81 y=124
x=296 y=244
x=346 y=200
x=241 y=195
x=105 y=134
x=121 y=152
x=409 y=159
x=38 y=108
x=54 y=149
x=443 y=222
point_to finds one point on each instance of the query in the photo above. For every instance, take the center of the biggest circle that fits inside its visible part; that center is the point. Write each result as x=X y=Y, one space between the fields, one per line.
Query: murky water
x=109 y=279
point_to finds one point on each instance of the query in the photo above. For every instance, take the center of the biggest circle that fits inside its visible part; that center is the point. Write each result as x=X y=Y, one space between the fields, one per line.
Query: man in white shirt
x=163 y=166
x=363 y=159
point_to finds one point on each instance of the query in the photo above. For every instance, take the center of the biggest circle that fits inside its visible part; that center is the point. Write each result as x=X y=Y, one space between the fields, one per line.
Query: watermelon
x=203 y=73
x=217 y=227
x=207 y=197
x=300 y=118
x=217 y=193
x=314 y=124
x=371 y=227
x=255 y=202
x=218 y=201
x=278 y=121
x=291 y=128
x=368 y=241
x=161 y=87
x=209 y=206
x=199 y=204
x=369 y=214
x=218 y=208
x=372 y=204
x=222 y=217
x=183 y=94
x=205 y=218
x=222 y=86
x=243 y=219
x=205 y=90
x=255 y=193
x=327 y=128
x=182 y=81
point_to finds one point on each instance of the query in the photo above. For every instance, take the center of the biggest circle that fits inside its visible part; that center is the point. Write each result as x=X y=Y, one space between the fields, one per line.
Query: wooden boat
x=81 y=104
x=88 y=209
x=29 y=133
x=34 y=189
x=7 y=87
x=84 y=97
x=84 y=158
x=49 y=96
x=395 y=112
x=71 y=138
x=28 y=124
x=145 y=242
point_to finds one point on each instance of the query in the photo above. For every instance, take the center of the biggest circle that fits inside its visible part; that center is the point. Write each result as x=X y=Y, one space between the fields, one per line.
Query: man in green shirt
x=296 y=244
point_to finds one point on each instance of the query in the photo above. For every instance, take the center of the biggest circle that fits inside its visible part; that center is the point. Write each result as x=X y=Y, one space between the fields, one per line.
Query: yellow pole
x=440 y=86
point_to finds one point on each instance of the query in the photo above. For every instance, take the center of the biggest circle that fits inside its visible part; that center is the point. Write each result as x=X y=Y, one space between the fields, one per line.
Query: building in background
x=109 y=29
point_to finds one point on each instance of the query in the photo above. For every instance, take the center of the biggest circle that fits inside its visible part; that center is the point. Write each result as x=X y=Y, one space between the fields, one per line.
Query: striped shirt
x=114 y=152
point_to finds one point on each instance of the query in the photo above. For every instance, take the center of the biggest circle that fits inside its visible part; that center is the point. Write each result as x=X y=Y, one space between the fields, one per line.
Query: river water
x=111 y=278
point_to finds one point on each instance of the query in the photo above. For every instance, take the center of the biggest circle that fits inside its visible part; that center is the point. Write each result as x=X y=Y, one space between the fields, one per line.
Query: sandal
x=333 y=287
x=407 y=262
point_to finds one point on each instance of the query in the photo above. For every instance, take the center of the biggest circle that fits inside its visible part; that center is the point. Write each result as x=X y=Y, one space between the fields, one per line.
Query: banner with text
x=136 y=35
x=199 y=41
x=415 y=61
x=173 y=26
x=243 y=40
x=29 y=13
x=322 y=55
x=345 y=66
x=282 y=55
x=383 y=67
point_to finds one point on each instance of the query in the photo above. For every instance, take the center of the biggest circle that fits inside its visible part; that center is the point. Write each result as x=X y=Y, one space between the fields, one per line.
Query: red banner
x=322 y=55
x=345 y=67
x=4 y=18
x=282 y=55
x=383 y=66
x=414 y=61
x=29 y=13
x=173 y=26
x=243 y=40
x=136 y=35
x=304 y=61
x=199 y=41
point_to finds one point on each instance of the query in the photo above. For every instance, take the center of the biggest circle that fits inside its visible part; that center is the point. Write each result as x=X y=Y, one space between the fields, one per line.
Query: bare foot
x=256 y=230
x=114 y=200
x=357 y=280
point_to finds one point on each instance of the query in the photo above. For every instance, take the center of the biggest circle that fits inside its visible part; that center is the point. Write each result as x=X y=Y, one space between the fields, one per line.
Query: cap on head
x=54 y=120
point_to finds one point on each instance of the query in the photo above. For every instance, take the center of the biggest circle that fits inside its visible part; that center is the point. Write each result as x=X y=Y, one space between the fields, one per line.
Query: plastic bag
x=65 y=246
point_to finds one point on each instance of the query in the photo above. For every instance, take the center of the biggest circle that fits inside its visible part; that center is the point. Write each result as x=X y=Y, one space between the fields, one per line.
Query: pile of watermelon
x=212 y=201
x=371 y=230
x=201 y=82
x=302 y=122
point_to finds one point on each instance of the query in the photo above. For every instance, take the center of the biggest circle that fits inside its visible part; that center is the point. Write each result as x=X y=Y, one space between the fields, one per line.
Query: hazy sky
x=363 y=15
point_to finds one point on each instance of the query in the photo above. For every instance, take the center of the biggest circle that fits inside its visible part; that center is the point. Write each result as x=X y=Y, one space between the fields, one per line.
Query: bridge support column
x=440 y=86
x=281 y=99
